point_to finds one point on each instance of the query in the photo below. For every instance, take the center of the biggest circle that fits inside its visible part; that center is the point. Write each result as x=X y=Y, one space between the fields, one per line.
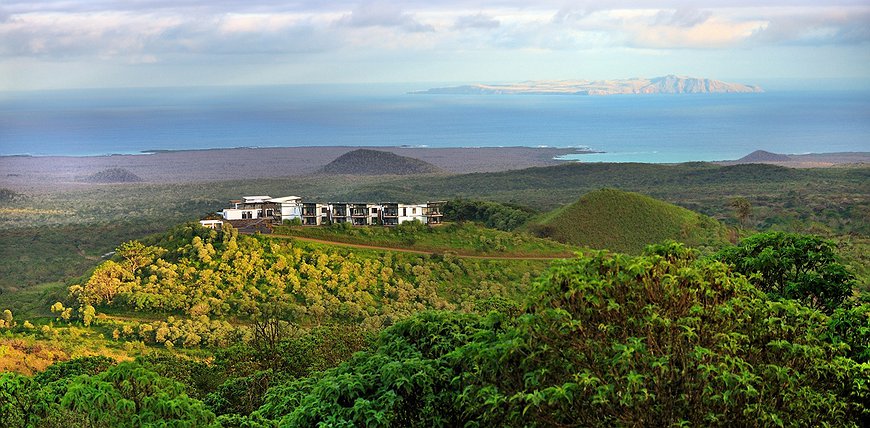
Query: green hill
x=627 y=222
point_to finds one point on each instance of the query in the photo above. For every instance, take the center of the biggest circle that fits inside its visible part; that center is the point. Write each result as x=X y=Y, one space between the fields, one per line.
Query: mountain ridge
x=670 y=84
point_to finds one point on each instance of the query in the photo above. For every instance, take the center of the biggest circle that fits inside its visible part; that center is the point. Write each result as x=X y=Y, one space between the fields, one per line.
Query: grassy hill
x=627 y=222
x=376 y=162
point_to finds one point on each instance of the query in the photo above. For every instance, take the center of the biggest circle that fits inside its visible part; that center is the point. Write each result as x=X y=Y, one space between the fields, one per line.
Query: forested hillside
x=666 y=338
x=195 y=278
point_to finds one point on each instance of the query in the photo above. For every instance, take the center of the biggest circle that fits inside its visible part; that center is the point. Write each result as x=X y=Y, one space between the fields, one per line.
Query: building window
x=374 y=210
x=413 y=211
x=404 y=212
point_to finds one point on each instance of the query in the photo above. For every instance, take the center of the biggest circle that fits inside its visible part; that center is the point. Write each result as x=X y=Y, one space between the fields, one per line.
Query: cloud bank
x=178 y=31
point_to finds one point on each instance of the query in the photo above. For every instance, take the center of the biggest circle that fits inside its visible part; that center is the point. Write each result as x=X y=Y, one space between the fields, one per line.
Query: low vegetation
x=453 y=238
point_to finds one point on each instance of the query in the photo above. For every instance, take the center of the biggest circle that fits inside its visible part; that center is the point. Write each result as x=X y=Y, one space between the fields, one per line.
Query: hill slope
x=376 y=162
x=763 y=156
x=113 y=175
x=627 y=222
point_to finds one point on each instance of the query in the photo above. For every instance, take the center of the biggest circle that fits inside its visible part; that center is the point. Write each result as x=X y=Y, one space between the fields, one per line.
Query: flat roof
x=285 y=199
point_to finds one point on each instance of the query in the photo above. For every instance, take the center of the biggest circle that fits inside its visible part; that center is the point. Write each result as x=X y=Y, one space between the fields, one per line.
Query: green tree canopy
x=663 y=339
x=793 y=266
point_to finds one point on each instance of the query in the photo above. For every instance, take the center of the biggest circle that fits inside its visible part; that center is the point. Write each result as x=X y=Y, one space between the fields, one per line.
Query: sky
x=66 y=44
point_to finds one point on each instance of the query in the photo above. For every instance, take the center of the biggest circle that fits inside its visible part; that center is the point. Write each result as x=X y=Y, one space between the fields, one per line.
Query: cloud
x=476 y=21
x=822 y=28
x=383 y=14
x=682 y=17
x=146 y=31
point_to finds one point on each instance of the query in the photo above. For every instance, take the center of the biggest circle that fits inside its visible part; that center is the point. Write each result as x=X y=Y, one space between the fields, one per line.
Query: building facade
x=277 y=210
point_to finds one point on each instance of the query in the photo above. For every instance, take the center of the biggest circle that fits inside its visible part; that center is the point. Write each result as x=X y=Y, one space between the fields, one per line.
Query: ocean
x=644 y=128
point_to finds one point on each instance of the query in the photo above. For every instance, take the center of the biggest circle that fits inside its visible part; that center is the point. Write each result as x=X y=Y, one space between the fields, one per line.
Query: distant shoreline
x=571 y=149
x=28 y=173
x=219 y=164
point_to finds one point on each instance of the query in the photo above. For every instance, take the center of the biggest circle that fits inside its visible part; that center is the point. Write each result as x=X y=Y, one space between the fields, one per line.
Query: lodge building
x=277 y=210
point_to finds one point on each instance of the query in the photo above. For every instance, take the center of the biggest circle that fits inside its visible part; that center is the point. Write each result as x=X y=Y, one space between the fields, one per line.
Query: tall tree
x=793 y=266
x=742 y=209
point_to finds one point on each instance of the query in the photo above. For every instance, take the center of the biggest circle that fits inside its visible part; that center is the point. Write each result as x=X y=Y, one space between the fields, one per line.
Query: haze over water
x=648 y=128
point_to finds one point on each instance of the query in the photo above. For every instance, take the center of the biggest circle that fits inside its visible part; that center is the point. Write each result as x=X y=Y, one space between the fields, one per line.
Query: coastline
x=22 y=172
x=25 y=173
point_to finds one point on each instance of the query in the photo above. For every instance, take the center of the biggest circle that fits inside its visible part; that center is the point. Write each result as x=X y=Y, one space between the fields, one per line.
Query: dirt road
x=421 y=252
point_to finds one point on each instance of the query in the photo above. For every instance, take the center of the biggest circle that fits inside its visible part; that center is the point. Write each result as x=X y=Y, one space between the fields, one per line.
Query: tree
x=742 y=209
x=103 y=284
x=136 y=254
x=88 y=315
x=128 y=395
x=792 y=266
x=18 y=400
x=663 y=339
x=269 y=328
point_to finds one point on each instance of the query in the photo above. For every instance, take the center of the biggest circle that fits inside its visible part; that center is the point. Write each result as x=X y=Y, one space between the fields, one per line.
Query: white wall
x=236 y=214
x=411 y=213
x=290 y=211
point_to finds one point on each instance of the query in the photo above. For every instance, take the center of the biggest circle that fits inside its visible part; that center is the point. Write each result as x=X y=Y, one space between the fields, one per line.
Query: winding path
x=422 y=252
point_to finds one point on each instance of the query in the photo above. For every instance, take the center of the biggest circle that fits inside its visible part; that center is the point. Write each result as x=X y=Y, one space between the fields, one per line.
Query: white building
x=314 y=214
x=255 y=207
x=290 y=207
x=310 y=213
x=412 y=212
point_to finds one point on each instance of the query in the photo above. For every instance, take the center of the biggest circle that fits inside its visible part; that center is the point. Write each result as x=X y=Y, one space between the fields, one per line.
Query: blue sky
x=104 y=43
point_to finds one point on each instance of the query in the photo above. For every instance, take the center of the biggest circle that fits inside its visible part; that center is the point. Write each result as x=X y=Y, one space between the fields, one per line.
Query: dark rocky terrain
x=113 y=175
x=376 y=162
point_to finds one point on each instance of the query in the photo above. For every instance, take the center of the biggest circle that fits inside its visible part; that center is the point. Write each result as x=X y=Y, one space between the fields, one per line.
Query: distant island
x=658 y=85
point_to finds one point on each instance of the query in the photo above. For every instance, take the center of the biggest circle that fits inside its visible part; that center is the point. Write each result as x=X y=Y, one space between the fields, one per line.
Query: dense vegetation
x=627 y=222
x=199 y=277
x=664 y=339
x=490 y=214
x=820 y=200
x=47 y=224
x=793 y=266
x=258 y=331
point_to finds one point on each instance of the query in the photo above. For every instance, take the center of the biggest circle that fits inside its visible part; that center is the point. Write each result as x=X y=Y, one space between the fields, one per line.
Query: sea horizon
x=622 y=128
